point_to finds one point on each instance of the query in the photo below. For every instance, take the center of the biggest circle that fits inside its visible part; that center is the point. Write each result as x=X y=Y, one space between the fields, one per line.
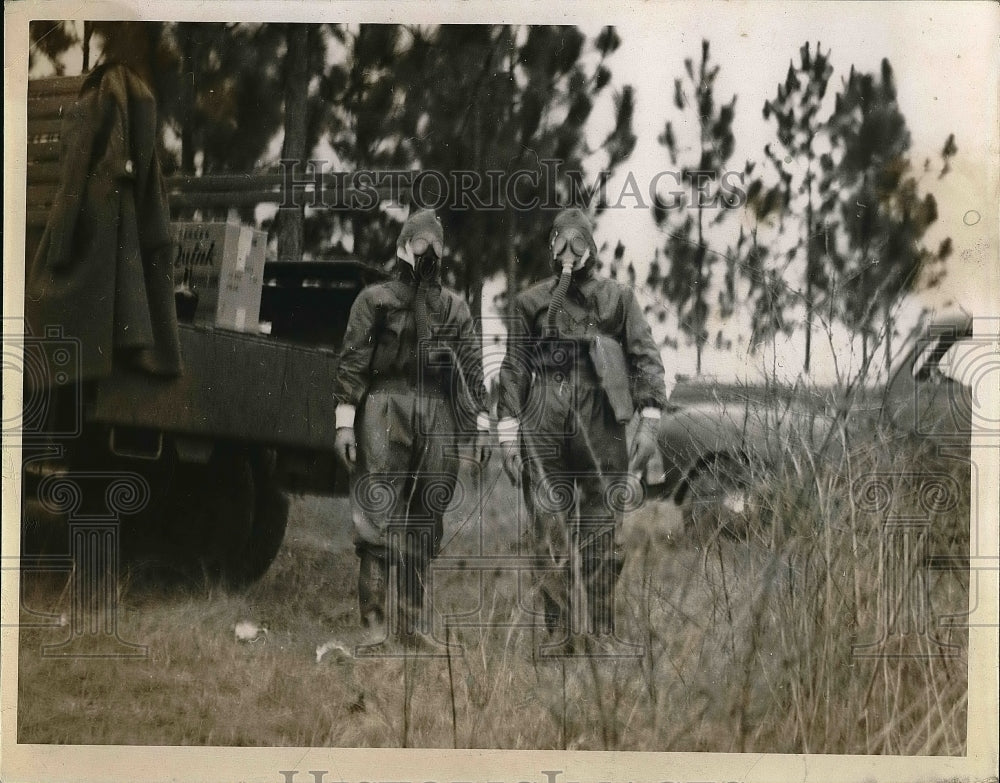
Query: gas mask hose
x=559 y=295
x=425 y=270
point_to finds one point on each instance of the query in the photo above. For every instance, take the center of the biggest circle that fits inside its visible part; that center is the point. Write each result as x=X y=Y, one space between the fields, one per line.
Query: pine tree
x=688 y=278
x=501 y=99
x=51 y=40
x=883 y=214
x=801 y=186
x=360 y=112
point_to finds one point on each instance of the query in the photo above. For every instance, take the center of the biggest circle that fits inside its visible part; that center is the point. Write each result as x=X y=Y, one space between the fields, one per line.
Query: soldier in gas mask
x=409 y=392
x=580 y=364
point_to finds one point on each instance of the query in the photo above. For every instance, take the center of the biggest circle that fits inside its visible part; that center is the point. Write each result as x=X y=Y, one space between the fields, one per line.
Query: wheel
x=229 y=514
x=223 y=520
x=209 y=513
x=267 y=532
x=717 y=500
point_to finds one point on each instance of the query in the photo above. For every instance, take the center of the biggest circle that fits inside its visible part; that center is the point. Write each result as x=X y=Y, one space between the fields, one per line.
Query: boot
x=601 y=602
x=555 y=616
x=413 y=628
x=553 y=596
x=599 y=574
x=372 y=577
x=410 y=591
x=601 y=578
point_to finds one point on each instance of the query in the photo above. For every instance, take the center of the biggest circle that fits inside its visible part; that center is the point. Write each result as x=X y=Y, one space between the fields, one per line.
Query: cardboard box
x=218 y=274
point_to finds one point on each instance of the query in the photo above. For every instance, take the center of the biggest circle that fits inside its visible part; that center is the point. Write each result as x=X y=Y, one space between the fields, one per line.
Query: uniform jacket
x=103 y=268
x=380 y=344
x=594 y=307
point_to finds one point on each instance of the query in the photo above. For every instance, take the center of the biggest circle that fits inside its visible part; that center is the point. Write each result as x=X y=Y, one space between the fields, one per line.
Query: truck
x=209 y=455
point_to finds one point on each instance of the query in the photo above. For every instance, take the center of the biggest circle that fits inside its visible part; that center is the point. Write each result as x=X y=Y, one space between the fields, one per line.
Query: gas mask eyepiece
x=577 y=244
x=421 y=245
x=579 y=249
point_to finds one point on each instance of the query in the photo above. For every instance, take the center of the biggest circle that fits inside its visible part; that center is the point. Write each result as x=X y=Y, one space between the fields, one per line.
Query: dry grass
x=747 y=643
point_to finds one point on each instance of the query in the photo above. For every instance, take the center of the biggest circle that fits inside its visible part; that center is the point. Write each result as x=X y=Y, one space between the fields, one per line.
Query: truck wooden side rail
x=250 y=416
x=49 y=99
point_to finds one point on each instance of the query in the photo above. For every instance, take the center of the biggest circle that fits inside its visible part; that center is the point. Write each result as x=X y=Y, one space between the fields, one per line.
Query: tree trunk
x=88 y=29
x=294 y=145
x=188 y=48
x=699 y=291
x=810 y=267
x=511 y=273
x=359 y=231
x=511 y=252
x=887 y=312
x=473 y=264
x=809 y=323
x=476 y=290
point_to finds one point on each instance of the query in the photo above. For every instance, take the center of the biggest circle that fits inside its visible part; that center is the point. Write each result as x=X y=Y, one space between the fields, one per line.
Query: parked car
x=718 y=440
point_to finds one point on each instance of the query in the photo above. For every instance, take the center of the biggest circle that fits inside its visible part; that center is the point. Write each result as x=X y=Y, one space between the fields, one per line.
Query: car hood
x=748 y=429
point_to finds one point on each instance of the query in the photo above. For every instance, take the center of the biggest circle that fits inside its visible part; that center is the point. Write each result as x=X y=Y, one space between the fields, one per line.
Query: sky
x=945 y=60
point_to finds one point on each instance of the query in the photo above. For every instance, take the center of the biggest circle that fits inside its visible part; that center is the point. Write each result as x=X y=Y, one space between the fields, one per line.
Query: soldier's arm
x=649 y=391
x=470 y=360
x=514 y=375
x=355 y=358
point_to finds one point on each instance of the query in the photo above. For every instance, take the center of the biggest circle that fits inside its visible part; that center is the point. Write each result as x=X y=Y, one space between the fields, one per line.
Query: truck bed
x=262 y=390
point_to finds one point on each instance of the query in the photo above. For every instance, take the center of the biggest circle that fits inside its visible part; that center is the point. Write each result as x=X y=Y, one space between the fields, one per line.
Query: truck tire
x=209 y=512
x=229 y=516
x=267 y=531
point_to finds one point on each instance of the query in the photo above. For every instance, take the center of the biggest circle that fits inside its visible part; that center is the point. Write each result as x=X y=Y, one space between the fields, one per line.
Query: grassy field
x=746 y=644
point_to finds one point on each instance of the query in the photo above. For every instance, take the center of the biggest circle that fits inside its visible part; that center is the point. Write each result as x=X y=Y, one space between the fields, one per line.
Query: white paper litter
x=249 y=631
x=332 y=646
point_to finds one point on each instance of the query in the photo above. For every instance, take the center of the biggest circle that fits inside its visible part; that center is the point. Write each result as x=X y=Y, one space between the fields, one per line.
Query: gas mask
x=424 y=257
x=574 y=260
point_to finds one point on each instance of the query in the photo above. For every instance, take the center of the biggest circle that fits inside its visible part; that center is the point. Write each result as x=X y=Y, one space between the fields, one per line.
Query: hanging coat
x=103 y=272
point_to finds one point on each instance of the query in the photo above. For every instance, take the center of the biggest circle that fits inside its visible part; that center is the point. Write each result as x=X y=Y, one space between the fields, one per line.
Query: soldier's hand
x=643 y=444
x=512 y=463
x=346 y=447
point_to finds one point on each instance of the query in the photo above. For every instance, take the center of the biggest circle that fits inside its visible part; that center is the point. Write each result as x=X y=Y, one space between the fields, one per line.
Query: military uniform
x=411 y=402
x=563 y=404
